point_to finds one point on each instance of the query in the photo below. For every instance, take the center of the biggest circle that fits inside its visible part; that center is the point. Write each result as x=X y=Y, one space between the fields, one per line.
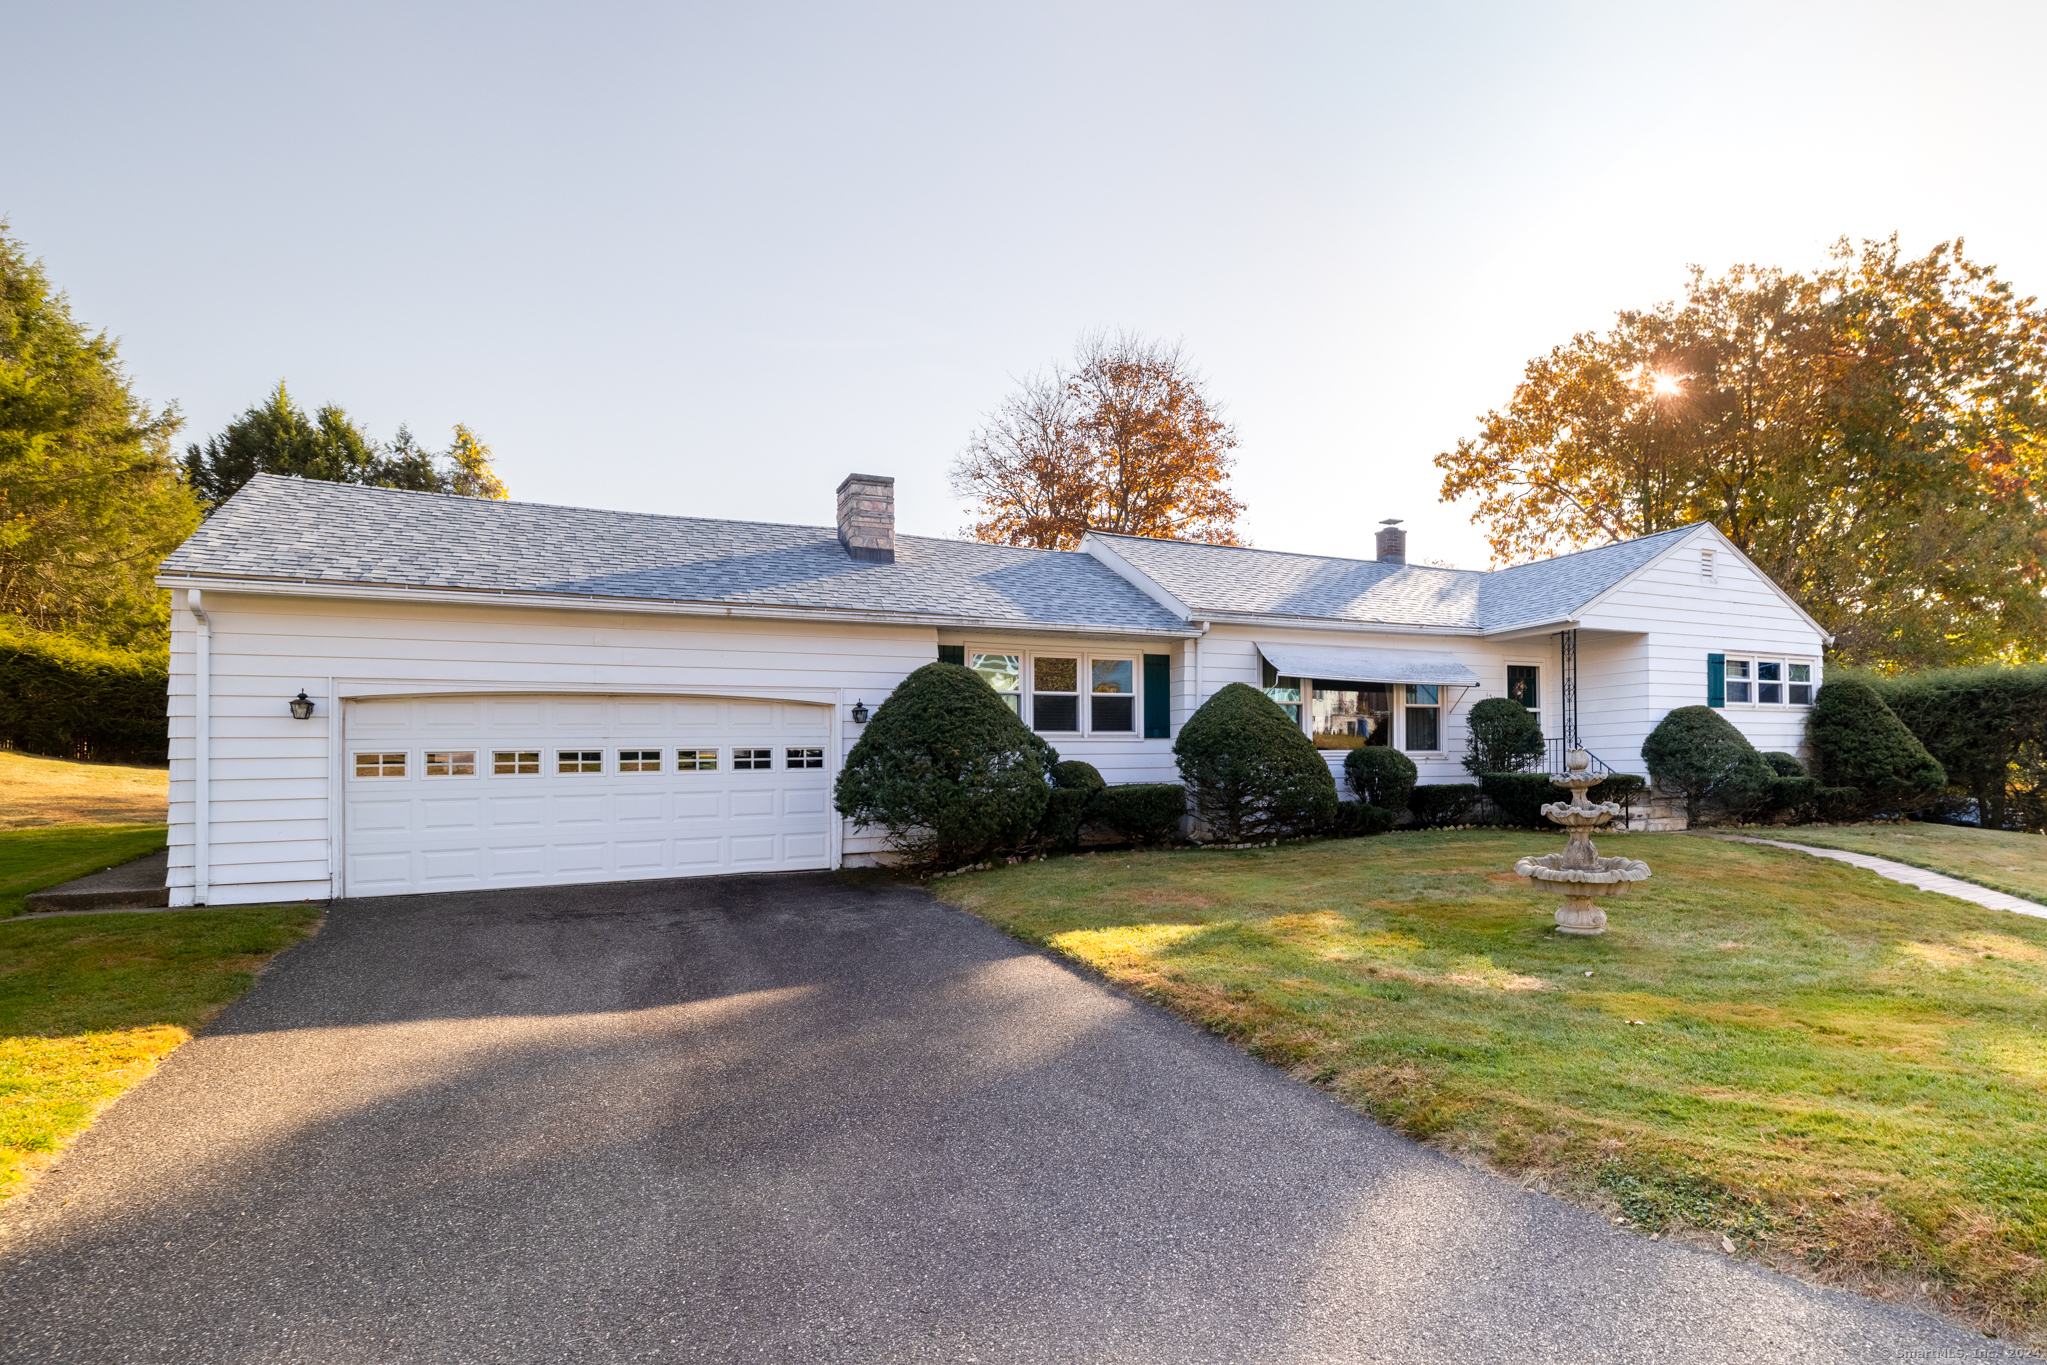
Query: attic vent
x=1706 y=565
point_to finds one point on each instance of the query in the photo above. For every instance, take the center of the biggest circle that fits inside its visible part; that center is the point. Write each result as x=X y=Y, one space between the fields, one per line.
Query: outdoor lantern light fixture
x=860 y=713
x=302 y=706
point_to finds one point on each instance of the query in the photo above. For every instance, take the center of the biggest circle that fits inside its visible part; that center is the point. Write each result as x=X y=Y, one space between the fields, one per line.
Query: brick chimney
x=867 y=517
x=1392 y=542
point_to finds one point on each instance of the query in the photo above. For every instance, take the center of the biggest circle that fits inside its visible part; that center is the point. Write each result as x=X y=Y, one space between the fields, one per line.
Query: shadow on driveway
x=802 y=1119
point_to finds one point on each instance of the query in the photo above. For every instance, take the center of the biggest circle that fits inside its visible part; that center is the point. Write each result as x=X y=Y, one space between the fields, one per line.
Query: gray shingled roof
x=1229 y=580
x=301 y=529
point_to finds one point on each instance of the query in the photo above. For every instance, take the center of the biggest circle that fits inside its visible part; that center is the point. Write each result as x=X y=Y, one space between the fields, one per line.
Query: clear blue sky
x=708 y=259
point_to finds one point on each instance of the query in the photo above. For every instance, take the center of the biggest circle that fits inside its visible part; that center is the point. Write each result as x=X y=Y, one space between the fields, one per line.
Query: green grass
x=32 y=859
x=90 y=1004
x=2013 y=863
x=1828 y=1066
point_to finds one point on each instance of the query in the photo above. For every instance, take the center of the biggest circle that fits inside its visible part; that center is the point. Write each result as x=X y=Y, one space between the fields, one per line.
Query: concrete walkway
x=137 y=884
x=1910 y=875
x=805 y=1120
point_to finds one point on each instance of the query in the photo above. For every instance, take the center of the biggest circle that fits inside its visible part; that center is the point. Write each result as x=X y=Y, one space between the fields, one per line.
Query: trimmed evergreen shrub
x=1521 y=796
x=1355 y=818
x=1784 y=765
x=1838 y=803
x=1857 y=742
x=946 y=769
x=1070 y=774
x=1621 y=787
x=1793 y=797
x=1987 y=728
x=1503 y=737
x=1065 y=809
x=61 y=697
x=1142 y=812
x=1442 y=803
x=1695 y=751
x=1250 y=771
x=1380 y=776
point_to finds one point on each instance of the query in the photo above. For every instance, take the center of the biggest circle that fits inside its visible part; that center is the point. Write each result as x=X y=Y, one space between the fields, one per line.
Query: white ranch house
x=509 y=694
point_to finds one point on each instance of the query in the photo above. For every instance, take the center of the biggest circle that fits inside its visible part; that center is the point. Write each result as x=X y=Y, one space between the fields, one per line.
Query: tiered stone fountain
x=1579 y=873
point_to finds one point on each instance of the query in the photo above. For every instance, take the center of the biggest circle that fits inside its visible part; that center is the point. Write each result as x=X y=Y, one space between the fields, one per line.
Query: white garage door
x=450 y=794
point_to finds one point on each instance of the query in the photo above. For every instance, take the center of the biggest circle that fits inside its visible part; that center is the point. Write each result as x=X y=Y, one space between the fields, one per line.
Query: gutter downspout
x=1195 y=645
x=202 y=745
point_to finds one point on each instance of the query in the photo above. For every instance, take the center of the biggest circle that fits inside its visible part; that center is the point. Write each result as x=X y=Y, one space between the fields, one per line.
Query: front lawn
x=33 y=859
x=1814 y=1063
x=90 y=1004
x=2015 y=864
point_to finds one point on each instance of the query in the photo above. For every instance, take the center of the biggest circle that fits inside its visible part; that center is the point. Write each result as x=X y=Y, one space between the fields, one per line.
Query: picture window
x=639 y=760
x=749 y=760
x=696 y=760
x=380 y=765
x=515 y=762
x=1351 y=715
x=451 y=762
x=804 y=758
x=579 y=760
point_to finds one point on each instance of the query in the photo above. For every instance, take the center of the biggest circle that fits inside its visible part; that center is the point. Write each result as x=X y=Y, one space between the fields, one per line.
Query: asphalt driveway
x=794 y=1119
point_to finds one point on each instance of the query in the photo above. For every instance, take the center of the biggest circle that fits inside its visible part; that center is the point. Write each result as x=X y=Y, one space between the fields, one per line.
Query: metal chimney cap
x=1390 y=521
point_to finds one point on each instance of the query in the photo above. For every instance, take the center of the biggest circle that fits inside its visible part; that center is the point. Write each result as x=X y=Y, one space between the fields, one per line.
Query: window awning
x=1351 y=664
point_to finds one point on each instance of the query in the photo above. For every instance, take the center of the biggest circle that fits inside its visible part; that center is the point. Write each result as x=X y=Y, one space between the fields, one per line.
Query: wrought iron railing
x=1556 y=762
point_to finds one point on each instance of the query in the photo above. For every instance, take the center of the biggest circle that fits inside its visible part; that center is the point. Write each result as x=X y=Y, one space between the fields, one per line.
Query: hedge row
x=1987 y=727
x=73 y=700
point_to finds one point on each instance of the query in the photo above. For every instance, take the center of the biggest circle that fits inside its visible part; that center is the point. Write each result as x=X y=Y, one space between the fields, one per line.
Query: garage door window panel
x=382 y=763
x=515 y=763
x=639 y=760
x=579 y=760
x=753 y=760
x=451 y=762
x=696 y=760
x=805 y=758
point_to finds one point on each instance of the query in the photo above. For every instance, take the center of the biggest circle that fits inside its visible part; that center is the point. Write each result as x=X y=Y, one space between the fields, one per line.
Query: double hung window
x=1424 y=718
x=1055 y=693
x=1112 y=700
x=1753 y=681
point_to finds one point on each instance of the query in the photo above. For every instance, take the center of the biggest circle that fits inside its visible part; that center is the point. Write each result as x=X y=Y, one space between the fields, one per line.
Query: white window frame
x=1755 y=681
x=1541 y=682
x=1027 y=662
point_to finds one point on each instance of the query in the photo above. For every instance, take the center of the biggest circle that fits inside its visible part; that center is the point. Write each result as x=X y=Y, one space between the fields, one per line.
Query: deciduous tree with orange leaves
x=1125 y=439
x=1873 y=435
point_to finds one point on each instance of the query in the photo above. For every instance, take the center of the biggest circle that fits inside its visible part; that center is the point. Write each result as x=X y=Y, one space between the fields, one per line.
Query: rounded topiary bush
x=1695 y=751
x=946 y=769
x=1250 y=771
x=1380 y=777
x=1784 y=765
x=1857 y=742
x=1070 y=774
x=1503 y=737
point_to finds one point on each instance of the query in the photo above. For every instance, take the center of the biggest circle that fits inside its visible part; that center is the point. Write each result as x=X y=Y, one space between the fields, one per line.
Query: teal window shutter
x=953 y=654
x=1716 y=680
x=1158 y=696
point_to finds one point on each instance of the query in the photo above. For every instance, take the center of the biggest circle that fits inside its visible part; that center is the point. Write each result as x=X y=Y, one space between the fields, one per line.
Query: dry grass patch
x=1834 y=1072
x=53 y=791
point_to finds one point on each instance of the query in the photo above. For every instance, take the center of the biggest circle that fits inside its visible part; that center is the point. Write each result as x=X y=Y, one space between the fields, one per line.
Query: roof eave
x=301 y=587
